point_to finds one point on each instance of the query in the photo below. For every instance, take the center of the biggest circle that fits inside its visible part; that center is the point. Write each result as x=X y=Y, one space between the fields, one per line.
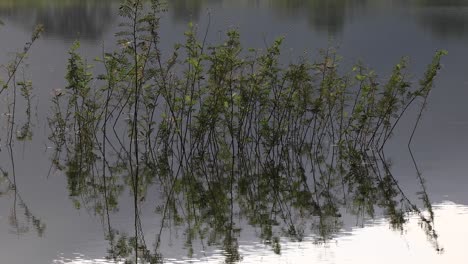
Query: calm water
x=377 y=32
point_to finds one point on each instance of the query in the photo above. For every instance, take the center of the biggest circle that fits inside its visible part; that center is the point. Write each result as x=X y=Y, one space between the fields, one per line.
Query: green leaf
x=360 y=77
x=188 y=99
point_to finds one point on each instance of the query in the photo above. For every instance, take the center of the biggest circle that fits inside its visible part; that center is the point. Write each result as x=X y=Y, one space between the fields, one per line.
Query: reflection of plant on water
x=15 y=82
x=20 y=225
x=233 y=137
x=227 y=136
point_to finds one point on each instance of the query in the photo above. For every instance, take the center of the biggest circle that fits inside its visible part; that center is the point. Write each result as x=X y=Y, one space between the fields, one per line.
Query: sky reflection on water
x=373 y=243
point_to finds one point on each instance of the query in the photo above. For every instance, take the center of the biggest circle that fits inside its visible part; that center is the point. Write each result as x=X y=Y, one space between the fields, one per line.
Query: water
x=377 y=32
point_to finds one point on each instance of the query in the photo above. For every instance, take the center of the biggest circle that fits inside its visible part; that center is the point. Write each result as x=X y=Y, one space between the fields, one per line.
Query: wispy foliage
x=14 y=83
x=223 y=135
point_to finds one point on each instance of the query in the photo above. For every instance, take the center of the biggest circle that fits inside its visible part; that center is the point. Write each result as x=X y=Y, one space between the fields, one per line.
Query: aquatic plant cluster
x=219 y=136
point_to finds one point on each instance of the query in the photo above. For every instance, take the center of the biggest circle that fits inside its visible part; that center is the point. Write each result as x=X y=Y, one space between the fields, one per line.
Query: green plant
x=15 y=77
x=221 y=135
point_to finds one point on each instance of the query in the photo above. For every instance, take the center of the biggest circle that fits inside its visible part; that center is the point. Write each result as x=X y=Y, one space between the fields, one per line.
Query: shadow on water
x=444 y=18
x=451 y=22
x=88 y=19
x=189 y=10
x=323 y=16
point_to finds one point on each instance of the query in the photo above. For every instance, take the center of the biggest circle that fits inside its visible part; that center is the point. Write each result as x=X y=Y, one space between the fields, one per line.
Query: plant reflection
x=221 y=138
x=13 y=81
x=20 y=224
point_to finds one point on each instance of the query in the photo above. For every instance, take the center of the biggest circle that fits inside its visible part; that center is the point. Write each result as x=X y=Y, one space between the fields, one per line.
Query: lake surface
x=376 y=32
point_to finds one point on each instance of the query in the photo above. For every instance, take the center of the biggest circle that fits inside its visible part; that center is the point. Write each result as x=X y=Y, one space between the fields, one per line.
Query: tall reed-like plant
x=222 y=136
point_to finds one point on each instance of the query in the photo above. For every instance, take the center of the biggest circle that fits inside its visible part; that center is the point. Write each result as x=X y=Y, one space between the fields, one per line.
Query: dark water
x=376 y=32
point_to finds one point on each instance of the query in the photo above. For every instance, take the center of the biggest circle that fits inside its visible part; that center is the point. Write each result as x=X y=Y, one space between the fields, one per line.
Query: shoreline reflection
x=90 y=19
x=87 y=20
